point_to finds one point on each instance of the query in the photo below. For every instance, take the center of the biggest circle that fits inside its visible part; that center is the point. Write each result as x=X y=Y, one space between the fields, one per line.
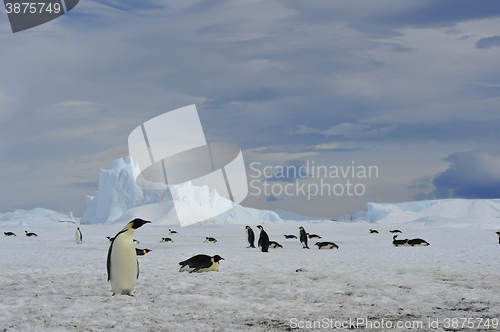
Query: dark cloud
x=488 y=42
x=271 y=198
x=472 y=174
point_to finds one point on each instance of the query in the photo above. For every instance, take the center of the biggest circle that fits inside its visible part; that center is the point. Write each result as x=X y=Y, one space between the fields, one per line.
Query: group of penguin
x=264 y=243
x=407 y=242
x=123 y=266
x=14 y=234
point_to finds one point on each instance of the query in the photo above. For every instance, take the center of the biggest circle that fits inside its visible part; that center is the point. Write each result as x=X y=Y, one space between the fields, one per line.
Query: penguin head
x=394 y=237
x=147 y=250
x=317 y=244
x=247 y=227
x=217 y=258
x=260 y=227
x=301 y=228
x=136 y=223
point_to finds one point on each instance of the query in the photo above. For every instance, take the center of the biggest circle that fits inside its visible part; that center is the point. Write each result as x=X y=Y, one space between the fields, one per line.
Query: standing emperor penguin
x=498 y=233
x=250 y=237
x=123 y=267
x=303 y=238
x=263 y=239
x=78 y=236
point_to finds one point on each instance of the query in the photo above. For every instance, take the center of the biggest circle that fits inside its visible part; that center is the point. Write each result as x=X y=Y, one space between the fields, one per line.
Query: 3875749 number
x=32 y=8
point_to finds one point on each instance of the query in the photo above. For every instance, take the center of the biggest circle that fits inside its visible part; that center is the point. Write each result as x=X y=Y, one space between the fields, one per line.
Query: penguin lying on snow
x=313 y=236
x=373 y=231
x=201 y=263
x=166 y=240
x=263 y=239
x=290 y=237
x=417 y=242
x=78 y=236
x=395 y=231
x=172 y=232
x=122 y=264
x=274 y=244
x=250 y=237
x=9 y=234
x=326 y=245
x=399 y=243
x=303 y=238
x=210 y=240
x=30 y=234
x=141 y=252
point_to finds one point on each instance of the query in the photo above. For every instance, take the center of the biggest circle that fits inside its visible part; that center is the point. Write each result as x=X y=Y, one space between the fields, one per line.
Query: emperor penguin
x=30 y=234
x=9 y=234
x=201 y=263
x=395 y=231
x=290 y=237
x=313 y=236
x=172 y=232
x=210 y=240
x=326 y=245
x=263 y=239
x=78 y=236
x=250 y=237
x=303 y=238
x=166 y=240
x=372 y=231
x=399 y=243
x=141 y=252
x=498 y=233
x=274 y=244
x=122 y=264
x=418 y=242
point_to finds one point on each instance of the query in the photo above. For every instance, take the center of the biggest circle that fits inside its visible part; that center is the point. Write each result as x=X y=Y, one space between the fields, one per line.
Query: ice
x=119 y=199
x=483 y=211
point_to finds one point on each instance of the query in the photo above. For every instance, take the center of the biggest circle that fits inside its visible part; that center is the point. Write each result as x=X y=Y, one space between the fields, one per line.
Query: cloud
x=347 y=130
x=271 y=198
x=472 y=174
x=485 y=43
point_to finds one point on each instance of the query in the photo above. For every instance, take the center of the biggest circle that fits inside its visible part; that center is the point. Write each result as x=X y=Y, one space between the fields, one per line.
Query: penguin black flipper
x=137 y=269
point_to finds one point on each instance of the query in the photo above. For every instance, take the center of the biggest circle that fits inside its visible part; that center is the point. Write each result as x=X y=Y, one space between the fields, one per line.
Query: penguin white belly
x=77 y=238
x=214 y=267
x=123 y=266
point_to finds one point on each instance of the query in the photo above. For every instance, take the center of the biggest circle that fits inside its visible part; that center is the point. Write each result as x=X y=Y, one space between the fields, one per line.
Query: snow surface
x=119 y=199
x=50 y=283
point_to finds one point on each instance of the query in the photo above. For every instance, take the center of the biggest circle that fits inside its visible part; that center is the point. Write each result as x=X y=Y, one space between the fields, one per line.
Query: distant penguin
x=201 y=263
x=172 y=232
x=303 y=237
x=290 y=237
x=373 y=231
x=274 y=244
x=326 y=245
x=136 y=241
x=166 y=240
x=418 y=242
x=263 y=239
x=250 y=237
x=141 y=252
x=110 y=238
x=9 y=234
x=395 y=231
x=30 y=234
x=313 y=236
x=122 y=264
x=498 y=233
x=78 y=236
x=210 y=240
x=399 y=243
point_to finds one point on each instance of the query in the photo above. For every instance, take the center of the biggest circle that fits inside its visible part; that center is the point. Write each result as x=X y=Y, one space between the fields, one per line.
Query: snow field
x=49 y=283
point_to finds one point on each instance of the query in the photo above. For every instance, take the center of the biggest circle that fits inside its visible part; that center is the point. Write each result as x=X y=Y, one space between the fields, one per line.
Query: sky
x=408 y=88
